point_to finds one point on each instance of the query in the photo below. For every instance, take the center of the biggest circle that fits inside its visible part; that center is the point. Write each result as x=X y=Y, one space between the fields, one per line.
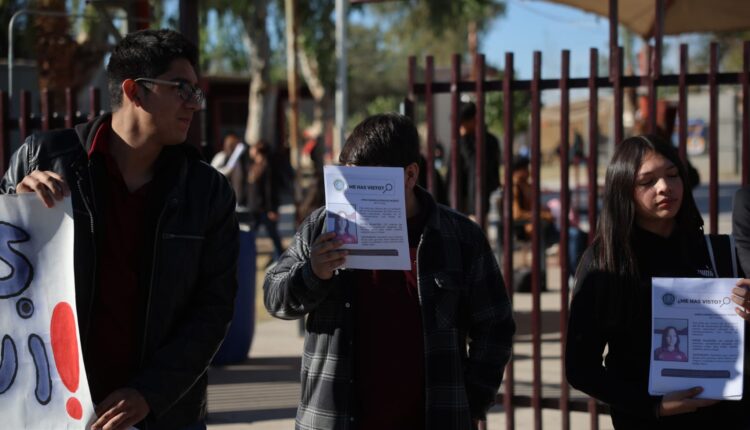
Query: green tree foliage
x=435 y=27
x=730 y=51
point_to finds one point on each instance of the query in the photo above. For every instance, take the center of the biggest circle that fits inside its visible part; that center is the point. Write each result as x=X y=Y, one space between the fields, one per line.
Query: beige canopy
x=680 y=16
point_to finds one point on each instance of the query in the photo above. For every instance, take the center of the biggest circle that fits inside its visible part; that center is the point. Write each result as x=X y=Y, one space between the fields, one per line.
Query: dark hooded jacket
x=188 y=279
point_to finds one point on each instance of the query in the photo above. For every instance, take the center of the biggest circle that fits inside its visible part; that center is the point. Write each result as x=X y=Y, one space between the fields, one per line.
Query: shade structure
x=680 y=16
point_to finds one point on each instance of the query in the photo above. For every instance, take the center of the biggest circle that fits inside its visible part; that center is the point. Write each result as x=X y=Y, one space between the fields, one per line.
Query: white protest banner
x=43 y=383
x=697 y=338
x=366 y=208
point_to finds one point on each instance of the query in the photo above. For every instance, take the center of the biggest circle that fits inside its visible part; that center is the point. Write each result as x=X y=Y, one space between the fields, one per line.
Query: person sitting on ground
x=418 y=349
x=522 y=202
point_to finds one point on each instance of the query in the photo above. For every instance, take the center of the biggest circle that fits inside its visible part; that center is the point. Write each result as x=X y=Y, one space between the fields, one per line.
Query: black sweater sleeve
x=741 y=226
x=586 y=341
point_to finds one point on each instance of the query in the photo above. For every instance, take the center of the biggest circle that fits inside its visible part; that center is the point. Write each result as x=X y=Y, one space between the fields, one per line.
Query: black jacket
x=601 y=314
x=189 y=276
x=741 y=226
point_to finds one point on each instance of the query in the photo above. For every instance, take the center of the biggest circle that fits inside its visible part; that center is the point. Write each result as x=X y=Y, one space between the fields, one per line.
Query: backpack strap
x=719 y=241
x=733 y=252
x=711 y=254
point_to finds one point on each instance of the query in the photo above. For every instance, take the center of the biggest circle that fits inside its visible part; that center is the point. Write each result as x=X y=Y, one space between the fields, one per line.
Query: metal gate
x=424 y=91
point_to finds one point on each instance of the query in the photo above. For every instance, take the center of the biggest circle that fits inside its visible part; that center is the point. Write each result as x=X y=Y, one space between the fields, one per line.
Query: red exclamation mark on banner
x=65 y=351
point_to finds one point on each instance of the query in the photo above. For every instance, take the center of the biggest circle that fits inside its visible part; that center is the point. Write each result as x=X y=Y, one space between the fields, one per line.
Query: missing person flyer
x=365 y=206
x=697 y=338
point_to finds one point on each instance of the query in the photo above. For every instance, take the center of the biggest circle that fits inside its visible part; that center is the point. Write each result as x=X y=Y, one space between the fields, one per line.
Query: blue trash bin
x=240 y=336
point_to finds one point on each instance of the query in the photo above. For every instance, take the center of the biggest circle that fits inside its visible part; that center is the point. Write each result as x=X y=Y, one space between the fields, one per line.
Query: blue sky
x=529 y=26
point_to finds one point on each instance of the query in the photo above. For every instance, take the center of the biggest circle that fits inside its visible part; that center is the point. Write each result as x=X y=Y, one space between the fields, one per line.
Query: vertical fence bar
x=46 y=101
x=593 y=160
x=658 y=37
x=618 y=93
x=429 y=101
x=652 y=90
x=713 y=140
x=593 y=188
x=455 y=97
x=613 y=42
x=480 y=209
x=70 y=108
x=24 y=117
x=412 y=97
x=4 y=129
x=536 y=269
x=683 y=102
x=94 y=103
x=507 y=218
x=655 y=64
x=746 y=112
x=564 y=224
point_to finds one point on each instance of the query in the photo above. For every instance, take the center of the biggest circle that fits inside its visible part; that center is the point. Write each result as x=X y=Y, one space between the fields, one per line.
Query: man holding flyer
x=386 y=347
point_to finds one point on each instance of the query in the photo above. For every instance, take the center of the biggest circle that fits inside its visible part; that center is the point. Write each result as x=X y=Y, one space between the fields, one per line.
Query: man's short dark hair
x=519 y=162
x=146 y=54
x=386 y=139
x=468 y=111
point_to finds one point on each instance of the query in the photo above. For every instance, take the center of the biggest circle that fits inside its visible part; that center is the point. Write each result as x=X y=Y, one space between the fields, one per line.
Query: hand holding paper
x=48 y=186
x=325 y=256
x=697 y=341
x=741 y=296
x=683 y=402
x=121 y=410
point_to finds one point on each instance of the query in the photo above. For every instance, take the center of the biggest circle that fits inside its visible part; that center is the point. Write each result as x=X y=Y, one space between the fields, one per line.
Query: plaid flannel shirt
x=467 y=323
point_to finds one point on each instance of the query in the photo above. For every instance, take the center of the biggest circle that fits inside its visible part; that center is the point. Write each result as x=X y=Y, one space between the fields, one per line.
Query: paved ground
x=262 y=392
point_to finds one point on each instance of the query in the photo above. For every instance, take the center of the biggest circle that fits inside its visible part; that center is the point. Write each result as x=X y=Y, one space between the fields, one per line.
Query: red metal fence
x=47 y=120
x=425 y=92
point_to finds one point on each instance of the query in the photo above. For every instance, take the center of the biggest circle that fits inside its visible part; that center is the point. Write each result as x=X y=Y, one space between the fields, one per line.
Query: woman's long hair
x=612 y=246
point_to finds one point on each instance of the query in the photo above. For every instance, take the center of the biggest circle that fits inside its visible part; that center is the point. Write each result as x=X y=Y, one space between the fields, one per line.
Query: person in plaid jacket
x=418 y=349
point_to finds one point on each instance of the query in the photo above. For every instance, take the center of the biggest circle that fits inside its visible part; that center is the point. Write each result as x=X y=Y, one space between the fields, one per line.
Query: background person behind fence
x=263 y=194
x=522 y=199
x=233 y=162
x=467 y=161
x=383 y=351
x=649 y=227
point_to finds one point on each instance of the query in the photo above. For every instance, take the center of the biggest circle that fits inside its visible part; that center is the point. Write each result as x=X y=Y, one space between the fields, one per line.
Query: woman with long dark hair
x=649 y=227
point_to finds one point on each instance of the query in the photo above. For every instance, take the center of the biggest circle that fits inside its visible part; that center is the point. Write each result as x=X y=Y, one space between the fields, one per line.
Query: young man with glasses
x=156 y=239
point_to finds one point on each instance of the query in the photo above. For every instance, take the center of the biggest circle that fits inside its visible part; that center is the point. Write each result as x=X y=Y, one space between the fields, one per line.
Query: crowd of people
x=156 y=253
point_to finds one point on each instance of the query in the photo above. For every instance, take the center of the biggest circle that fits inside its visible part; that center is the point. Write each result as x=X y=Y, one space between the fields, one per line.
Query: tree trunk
x=308 y=66
x=258 y=45
x=291 y=73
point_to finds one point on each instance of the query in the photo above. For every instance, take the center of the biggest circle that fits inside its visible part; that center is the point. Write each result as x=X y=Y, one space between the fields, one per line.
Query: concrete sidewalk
x=262 y=393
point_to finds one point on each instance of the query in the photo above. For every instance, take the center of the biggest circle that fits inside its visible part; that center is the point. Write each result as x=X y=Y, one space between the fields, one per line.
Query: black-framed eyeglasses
x=187 y=92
